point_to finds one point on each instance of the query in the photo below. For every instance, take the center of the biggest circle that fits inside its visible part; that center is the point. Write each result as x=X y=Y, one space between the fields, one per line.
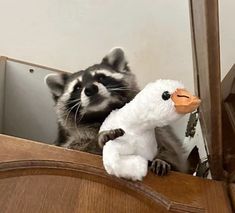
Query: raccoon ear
x=116 y=59
x=56 y=83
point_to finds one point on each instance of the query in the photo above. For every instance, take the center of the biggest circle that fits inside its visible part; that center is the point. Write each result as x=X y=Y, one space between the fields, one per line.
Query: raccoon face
x=89 y=95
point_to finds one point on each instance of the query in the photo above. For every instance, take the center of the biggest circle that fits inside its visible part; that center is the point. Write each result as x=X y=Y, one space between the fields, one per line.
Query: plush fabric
x=128 y=155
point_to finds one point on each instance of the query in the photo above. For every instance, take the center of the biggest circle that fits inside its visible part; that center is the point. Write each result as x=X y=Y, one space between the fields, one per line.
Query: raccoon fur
x=173 y=154
x=84 y=99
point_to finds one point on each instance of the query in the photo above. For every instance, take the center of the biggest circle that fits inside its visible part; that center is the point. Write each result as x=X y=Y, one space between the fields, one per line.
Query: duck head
x=162 y=102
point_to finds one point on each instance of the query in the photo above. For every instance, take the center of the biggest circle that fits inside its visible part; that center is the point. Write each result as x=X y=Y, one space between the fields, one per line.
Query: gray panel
x=2 y=87
x=29 y=109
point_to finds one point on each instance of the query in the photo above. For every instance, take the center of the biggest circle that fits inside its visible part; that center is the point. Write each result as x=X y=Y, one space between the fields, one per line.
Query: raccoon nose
x=91 y=89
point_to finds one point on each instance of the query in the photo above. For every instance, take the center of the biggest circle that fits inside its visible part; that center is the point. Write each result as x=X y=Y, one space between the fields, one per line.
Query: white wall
x=73 y=34
x=227 y=35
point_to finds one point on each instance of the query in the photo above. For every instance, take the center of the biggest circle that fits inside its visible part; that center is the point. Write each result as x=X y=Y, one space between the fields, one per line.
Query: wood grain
x=232 y=194
x=228 y=123
x=206 y=52
x=39 y=178
x=65 y=194
x=228 y=83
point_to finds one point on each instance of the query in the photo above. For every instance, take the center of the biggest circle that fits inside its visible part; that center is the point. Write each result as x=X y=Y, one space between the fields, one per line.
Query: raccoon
x=172 y=154
x=84 y=99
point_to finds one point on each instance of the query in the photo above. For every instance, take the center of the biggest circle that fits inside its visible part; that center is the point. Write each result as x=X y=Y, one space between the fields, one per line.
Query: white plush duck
x=158 y=104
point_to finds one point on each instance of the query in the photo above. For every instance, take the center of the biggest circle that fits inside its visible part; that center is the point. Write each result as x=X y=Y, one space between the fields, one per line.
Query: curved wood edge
x=176 y=192
x=23 y=168
x=135 y=189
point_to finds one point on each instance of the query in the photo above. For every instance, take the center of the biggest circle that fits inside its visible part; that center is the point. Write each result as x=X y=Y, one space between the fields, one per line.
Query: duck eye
x=166 y=95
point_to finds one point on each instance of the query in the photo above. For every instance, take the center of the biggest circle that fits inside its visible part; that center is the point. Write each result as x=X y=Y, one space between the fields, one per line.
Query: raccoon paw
x=160 y=167
x=106 y=136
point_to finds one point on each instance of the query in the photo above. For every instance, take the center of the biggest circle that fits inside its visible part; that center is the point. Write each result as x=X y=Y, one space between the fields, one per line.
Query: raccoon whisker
x=68 y=103
x=117 y=86
x=81 y=116
x=67 y=113
x=121 y=88
x=64 y=109
x=70 y=112
x=118 y=89
x=75 y=100
x=130 y=90
x=126 y=88
x=78 y=106
x=70 y=108
x=76 y=126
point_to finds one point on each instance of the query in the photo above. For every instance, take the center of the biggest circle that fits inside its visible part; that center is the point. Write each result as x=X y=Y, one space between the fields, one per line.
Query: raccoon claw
x=106 y=136
x=160 y=167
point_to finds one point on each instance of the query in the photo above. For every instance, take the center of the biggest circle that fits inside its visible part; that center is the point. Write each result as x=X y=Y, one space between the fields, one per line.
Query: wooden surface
x=228 y=120
x=228 y=83
x=36 y=177
x=232 y=194
x=206 y=55
x=228 y=123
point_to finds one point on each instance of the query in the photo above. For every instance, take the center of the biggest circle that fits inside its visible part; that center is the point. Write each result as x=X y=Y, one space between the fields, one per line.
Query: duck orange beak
x=184 y=101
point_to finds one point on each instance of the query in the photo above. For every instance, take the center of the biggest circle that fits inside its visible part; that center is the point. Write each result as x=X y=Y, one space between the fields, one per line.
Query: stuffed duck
x=159 y=104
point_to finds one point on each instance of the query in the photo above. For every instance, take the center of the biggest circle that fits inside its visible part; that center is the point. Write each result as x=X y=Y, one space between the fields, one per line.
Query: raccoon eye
x=77 y=86
x=166 y=95
x=102 y=79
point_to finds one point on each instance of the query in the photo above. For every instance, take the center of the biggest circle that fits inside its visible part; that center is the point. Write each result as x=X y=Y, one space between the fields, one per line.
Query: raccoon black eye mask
x=83 y=99
x=157 y=105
